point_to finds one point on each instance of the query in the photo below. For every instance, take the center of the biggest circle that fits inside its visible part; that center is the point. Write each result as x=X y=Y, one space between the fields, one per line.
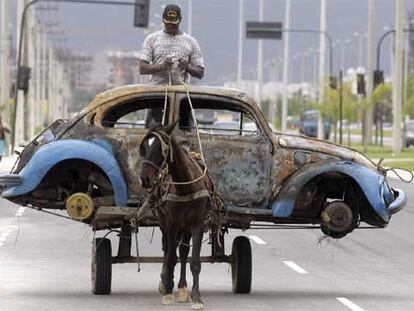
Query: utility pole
x=190 y=17
x=4 y=61
x=370 y=79
x=397 y=85
x=273 y=73
x=50 y=86
x=30 y=103
x=43 y=79
x=19 y=128
x=285 y=68
x=260 y=58
x=322 y=66
x=240 y=47
x=38 y=51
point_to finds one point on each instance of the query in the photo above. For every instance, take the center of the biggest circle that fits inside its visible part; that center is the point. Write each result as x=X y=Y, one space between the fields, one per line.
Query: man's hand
x=167 y=64
x=183 y=65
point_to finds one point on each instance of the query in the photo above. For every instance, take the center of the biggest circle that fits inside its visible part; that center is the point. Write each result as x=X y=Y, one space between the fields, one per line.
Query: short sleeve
x=196 y=56
x=146 y=52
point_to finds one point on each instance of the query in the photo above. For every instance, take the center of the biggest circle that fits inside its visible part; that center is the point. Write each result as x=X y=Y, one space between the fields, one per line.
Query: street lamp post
x=240 y=44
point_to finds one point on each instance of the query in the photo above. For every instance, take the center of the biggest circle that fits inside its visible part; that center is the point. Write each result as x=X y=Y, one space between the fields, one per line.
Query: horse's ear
x=152 y=124
x=170 y=128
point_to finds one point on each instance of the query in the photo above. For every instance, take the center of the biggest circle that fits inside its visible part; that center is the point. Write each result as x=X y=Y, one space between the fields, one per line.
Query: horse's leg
x=171 y=261
x=195 y=265
x=184 y=250
x=161 y=286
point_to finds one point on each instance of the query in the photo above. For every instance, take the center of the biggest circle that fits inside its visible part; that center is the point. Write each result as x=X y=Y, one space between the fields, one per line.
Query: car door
x=237 y=150
x=124 y=123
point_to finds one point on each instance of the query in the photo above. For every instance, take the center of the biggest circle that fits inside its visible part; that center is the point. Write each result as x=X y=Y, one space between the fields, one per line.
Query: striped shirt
x=160 y=45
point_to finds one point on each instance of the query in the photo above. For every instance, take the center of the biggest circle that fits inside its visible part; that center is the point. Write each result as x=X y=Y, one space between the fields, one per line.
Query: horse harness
x=160 y=192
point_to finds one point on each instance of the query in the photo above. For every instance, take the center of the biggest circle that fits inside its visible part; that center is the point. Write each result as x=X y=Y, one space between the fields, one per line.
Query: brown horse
x=182 y=210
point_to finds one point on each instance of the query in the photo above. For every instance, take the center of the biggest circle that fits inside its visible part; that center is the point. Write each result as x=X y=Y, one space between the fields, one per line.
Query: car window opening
x=217 y=118
x=136 y=113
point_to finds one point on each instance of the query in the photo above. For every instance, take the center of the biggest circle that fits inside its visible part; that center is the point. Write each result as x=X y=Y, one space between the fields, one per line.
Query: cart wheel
x=101 y=267
x=241 y=267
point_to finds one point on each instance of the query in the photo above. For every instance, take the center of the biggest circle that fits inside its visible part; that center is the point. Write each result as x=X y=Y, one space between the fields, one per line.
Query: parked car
x=264 y=176
x=408 y=134
x=309 y=124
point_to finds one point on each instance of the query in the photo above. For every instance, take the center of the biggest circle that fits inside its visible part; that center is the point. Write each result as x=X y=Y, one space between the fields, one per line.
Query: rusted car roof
x=128 y=90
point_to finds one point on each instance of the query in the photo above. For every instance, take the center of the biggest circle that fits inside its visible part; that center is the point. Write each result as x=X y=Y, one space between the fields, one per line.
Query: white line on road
x=295 y=267
x=256 y=239
x=350 y=304
x=3 y=236
x=20 y=211
x=1 y=244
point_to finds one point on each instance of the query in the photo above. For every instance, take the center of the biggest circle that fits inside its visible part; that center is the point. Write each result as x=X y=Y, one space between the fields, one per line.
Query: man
x=169 y=55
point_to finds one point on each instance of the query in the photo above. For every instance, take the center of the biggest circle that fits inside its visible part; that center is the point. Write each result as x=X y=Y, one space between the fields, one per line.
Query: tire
x=101 y=268
x=241 y=266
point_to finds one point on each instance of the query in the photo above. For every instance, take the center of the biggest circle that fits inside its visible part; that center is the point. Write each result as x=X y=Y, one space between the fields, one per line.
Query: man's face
x=171 y=29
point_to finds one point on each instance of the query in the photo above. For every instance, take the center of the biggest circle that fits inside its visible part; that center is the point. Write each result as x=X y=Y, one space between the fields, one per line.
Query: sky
x=96 y=29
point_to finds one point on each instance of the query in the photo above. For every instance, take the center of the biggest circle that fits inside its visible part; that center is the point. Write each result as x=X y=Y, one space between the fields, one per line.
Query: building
x=123 y=69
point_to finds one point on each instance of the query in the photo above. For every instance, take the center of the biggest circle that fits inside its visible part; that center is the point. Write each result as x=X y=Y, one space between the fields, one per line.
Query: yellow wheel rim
x=80 y=206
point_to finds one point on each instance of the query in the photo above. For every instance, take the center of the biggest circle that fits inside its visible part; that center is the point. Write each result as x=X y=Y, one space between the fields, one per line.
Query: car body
x=408 y=136
x=260 y=175
x=308 y=124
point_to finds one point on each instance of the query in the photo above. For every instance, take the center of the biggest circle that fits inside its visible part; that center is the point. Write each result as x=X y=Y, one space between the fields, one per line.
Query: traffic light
x=361 y=84
x=141 y=16
x=378 y=77
x=333 y=82
x=23 y=77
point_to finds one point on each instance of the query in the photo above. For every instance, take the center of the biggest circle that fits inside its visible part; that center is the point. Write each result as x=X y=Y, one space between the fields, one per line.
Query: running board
x=248 y=210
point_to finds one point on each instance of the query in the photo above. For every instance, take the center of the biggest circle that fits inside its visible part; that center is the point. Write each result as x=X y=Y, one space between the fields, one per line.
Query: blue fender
x=47 y=156
x=372 y=183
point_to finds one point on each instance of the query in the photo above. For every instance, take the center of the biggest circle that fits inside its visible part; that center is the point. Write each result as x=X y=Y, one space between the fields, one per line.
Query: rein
x=163 y=169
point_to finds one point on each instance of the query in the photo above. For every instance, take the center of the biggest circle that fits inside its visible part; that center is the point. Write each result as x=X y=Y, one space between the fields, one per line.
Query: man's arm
x=195 y=71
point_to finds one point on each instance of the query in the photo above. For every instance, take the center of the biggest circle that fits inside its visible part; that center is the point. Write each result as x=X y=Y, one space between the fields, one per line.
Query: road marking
x=295 y=267
x=3 y=237
x=350 y=304
x=20 y=212
x=1 y=244
x=257 y=240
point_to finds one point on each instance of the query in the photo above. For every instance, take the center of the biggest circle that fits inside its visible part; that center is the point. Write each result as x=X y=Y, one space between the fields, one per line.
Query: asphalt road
x=45 y=265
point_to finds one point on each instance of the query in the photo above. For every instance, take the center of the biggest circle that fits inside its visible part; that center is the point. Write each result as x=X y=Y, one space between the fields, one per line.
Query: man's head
x=171 y=18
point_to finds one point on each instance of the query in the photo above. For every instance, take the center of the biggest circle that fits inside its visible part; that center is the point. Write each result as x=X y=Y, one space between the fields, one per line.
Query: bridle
x=166 y=150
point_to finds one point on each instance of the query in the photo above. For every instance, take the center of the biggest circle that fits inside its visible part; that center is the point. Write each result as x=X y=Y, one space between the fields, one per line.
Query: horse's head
x=155 y=149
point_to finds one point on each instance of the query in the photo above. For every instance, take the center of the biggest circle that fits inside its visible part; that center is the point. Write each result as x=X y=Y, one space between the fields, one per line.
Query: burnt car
x=89 y=166
x=259 y=174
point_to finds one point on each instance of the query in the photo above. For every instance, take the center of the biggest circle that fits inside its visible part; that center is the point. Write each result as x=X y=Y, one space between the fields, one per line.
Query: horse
x=183 y=210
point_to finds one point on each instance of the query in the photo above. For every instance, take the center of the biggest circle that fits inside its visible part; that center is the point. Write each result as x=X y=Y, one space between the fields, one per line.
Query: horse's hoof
x=161 y=288
x=183 y=295
x=168 y=299
x=197 y=306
